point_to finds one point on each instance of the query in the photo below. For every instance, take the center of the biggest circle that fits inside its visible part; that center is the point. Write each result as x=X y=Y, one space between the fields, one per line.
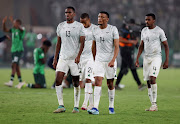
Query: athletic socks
x=150 y=94
x=76 y=96
x=59 y=92
x=12 y=77
x=86 y=96
x=111 y=94
x=154 y=93
x=97 y=94
x=19 y=78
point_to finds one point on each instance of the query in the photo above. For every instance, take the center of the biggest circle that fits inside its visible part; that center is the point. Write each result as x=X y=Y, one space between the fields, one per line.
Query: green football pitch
x=37 y=105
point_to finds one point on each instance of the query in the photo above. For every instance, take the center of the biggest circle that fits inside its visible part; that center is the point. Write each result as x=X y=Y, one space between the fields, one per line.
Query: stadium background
x=43 y=16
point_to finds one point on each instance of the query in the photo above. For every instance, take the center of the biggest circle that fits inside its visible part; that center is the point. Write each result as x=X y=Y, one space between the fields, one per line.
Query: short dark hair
x=19 y=21
x=84 y=15
x=47 y=43
x=70 y=7
x=104 y=12
x=152 y=15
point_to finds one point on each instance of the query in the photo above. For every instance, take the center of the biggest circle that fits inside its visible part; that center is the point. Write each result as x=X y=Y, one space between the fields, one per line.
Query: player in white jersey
x=71 y=39
x=87 y=62
x=151 y=38
x=105 y=49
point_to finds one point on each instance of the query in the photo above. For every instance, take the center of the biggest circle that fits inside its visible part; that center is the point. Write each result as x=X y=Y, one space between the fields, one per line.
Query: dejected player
x=151 y=38
x=87 y=62
x=105 y=49
x=71 y=42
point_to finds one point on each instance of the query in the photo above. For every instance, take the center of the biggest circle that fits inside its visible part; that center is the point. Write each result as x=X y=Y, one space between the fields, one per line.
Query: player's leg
x=99 y=71
x=154 y=71
x=88 y=75
x=75 y=77
x=97 y=95
x=111 y=75
x=61 y=69
x=111 y=94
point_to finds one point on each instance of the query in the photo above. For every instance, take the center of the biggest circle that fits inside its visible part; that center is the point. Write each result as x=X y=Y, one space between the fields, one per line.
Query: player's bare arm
x=5 y=29
x=140 y=50
x=165 y=65
x=58 y=46
x=94 y=49
x=116 y=51
x=123 y=40
x=82 y=39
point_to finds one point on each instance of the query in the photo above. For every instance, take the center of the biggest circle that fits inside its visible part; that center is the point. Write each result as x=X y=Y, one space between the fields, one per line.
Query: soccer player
x=71 y=39
x=17 y=47
x=151 y=38
x=38 y=71
x=87 y=62
x=105 y=49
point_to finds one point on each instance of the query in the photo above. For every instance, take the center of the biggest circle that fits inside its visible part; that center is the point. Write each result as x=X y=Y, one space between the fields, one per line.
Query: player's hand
x=165 y=65
x=11 y=18
x=4 y=19
x=137 y=63
x=77 y=59
x=111 y=63
x=54 y=63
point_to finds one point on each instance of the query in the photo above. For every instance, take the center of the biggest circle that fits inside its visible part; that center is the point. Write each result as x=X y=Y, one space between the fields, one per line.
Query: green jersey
x=38 y=65
x=17 y=40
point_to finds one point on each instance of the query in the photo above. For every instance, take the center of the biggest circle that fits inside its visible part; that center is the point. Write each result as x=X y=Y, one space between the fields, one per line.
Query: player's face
x=149 y=21
x=69 y=13
x=85 y=21
x=46 y=48
x=102 y=19
x=16 y=24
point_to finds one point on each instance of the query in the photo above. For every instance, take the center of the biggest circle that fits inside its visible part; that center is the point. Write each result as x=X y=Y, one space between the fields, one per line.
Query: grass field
x=36 y=105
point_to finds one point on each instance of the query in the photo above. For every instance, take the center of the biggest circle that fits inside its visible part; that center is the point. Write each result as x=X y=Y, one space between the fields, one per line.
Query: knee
x=110 y=85
x=152 y=80
x=76 y=83
x=88 y=81
x=58 y=82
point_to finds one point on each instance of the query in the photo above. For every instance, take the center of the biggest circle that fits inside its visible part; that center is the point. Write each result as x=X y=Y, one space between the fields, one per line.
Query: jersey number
x=68 y=33
x=89 y=70
x=102 y=39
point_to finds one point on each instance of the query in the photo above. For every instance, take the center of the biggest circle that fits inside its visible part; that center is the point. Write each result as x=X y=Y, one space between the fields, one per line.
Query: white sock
x=150 y=94
x=97 y=95
x=59 y=92
x=154 y=93
x=91 y=95
x=111 y=94
x=86 y=96
x=77 y=91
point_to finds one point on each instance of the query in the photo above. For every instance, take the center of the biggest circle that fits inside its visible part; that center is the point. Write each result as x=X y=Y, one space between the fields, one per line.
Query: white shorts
x=102 y=68
x=151 y=67
x=86 y=70
x=65 y=65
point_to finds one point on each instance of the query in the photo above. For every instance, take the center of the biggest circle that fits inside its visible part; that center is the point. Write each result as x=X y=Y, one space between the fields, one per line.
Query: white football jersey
x=87 y=51
x=105 y=42
x=70 y=39
x=152 y=39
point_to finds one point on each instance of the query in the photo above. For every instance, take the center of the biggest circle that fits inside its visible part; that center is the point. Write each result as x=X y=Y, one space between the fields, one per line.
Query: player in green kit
x=17 y=47
x=39 y=63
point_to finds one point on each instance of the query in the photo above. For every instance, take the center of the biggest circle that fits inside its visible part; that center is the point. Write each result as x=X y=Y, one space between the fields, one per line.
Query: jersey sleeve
x=162 y=36
x=82 y=32
x=115 y=33
x=142 y=34
x=59 y=29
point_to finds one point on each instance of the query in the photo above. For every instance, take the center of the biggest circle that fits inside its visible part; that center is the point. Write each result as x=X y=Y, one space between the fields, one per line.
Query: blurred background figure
x=128 y=41
x=30 y=44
